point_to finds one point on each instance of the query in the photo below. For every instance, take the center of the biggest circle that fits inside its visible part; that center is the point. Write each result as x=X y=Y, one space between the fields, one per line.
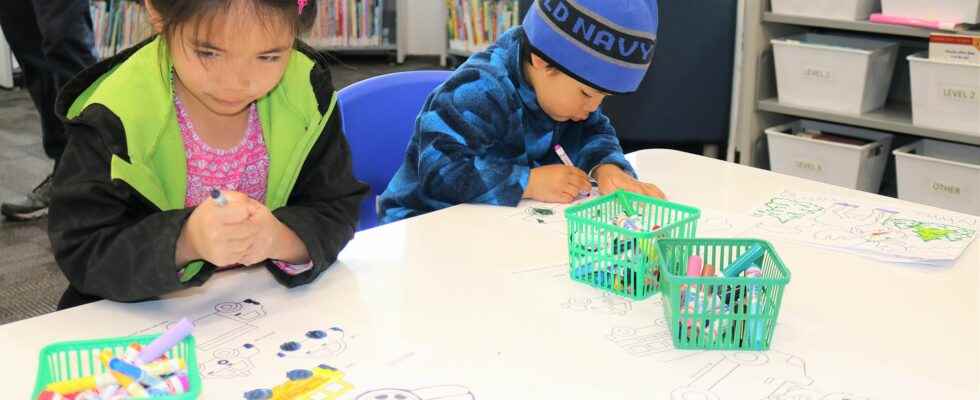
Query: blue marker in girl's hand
x=219 y=197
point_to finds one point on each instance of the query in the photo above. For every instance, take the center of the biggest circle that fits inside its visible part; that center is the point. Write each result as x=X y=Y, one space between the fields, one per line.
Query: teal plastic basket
x=69 y=360
x=737 y=313
x=619 y=260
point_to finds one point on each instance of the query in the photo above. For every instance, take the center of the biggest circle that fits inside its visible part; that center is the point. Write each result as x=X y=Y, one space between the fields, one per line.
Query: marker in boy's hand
x=611 y=177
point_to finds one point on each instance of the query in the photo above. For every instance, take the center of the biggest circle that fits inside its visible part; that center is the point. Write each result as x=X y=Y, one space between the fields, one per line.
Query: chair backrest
x=379 y=116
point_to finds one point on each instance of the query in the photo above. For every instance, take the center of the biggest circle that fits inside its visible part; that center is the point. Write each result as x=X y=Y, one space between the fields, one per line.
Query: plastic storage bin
x=738 y=313
x=945 y=95
x=69 y=360
x=619 y=260
x=848 y=10
x=837 y=73
x=849 y=165
x=940 y=174
x=941 y=10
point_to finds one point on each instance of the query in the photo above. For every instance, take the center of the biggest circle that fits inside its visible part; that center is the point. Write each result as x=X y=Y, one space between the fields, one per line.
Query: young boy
x=488 y=134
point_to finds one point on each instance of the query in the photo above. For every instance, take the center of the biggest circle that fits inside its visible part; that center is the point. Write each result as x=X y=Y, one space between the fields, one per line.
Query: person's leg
x=53 y=41
x=68 y=43
x=19 y=22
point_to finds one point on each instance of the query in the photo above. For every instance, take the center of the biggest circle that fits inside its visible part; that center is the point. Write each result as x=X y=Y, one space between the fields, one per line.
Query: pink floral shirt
x=243 y=168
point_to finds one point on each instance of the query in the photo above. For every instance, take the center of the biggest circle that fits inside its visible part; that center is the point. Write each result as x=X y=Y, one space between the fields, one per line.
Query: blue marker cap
x=218 y=197
x=744 y=261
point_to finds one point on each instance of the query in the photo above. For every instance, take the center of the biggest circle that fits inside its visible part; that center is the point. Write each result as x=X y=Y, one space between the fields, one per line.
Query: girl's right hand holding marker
x=220 y=235
x=556 y=183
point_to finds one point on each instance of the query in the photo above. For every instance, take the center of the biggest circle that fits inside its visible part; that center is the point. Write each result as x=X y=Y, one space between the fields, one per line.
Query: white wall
x=6 y=64
x=425 y=31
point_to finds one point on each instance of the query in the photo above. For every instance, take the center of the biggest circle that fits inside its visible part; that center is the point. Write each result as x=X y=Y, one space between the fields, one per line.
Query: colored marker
x=755 y=308
x=168 y=339
x=134 y=372
x=82 y=384
x=708 y=272
x=87 y=395
x=563 y=156
x=219 y=197
x=744 y=261
x=165 y=367
x=50 y=395
x=132 y=352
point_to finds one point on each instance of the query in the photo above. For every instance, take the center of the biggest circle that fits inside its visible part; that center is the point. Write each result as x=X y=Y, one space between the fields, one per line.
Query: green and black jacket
x=118 y=202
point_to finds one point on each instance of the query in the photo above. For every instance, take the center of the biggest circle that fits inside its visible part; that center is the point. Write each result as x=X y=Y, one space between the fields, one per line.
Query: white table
x=466 y=303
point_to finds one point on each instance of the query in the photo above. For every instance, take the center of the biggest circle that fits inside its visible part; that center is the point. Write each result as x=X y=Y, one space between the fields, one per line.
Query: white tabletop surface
x=474 y=302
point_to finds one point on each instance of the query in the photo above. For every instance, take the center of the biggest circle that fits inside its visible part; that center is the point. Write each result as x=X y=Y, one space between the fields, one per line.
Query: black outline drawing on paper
x=649 y=341
x=229 y=320
x=774 y=376
x=556 y=271
x=769 y=372
x=230 y=362
x=604 y=303
x=444 y=392
x=316 y=344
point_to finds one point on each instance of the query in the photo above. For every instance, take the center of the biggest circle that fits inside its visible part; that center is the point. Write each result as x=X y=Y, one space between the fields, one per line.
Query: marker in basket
x=744 y=261
x=168 y=339
x=689 y=293
x=82 y=384
x=755 y=307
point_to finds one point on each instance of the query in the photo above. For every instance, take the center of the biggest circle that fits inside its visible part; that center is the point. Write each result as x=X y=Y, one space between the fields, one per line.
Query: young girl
x=224 y=99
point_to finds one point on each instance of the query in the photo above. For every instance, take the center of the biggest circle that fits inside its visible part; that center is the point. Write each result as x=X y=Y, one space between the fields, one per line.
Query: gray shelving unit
x=755 y=106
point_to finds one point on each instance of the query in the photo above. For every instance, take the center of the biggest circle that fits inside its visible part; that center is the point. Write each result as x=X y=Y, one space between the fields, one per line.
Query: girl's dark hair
x=174 y=14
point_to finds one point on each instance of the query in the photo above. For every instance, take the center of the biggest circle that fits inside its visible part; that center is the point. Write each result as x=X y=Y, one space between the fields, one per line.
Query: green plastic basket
x=75 y=359
x=619 y=260
x=738 y=313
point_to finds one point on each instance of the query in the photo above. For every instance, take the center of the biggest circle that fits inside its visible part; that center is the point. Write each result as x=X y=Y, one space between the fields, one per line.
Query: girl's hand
x=274 y=240
x=217 y=234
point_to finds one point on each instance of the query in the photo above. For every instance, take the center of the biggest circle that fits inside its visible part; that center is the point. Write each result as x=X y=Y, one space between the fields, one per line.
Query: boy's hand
x=611 y=177
x=216 y=234
x=556 y=183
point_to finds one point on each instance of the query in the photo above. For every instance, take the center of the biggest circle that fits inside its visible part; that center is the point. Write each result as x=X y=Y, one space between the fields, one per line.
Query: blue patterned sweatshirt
x=481 y=132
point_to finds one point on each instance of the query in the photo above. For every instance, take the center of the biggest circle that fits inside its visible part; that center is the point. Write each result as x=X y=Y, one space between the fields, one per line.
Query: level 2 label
x=817 y=74
x=960 y=93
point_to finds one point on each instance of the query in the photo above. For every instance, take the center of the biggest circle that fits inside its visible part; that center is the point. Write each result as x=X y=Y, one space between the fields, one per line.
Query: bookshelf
x=341 y=26
x=473 y=25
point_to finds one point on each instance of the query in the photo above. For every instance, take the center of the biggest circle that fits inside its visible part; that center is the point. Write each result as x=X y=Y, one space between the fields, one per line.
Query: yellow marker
x=325 y=384
x=82 y=384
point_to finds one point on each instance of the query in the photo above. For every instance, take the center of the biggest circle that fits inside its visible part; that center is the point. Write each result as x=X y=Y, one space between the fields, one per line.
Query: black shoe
x=31 y=206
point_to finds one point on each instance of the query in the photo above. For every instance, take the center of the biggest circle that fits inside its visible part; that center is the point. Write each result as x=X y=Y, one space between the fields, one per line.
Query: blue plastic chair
x=379 y=117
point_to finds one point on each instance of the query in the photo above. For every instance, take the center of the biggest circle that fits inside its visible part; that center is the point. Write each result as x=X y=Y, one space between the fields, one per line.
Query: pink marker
x=694 y=265
x=916 y=22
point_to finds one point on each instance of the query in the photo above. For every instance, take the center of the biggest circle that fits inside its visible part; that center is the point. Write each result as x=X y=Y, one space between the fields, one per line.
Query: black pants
x=52 y=40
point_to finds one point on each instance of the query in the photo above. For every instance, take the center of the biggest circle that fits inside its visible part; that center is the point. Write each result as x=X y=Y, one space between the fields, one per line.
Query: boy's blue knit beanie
x=607 y=44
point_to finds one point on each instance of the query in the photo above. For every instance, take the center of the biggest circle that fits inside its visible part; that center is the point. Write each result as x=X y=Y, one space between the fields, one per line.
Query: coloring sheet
x=885 y=233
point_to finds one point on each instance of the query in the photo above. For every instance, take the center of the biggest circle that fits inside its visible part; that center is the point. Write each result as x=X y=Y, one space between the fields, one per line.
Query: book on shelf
x=118 y=24
x=476 y=24
x=349 y=23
